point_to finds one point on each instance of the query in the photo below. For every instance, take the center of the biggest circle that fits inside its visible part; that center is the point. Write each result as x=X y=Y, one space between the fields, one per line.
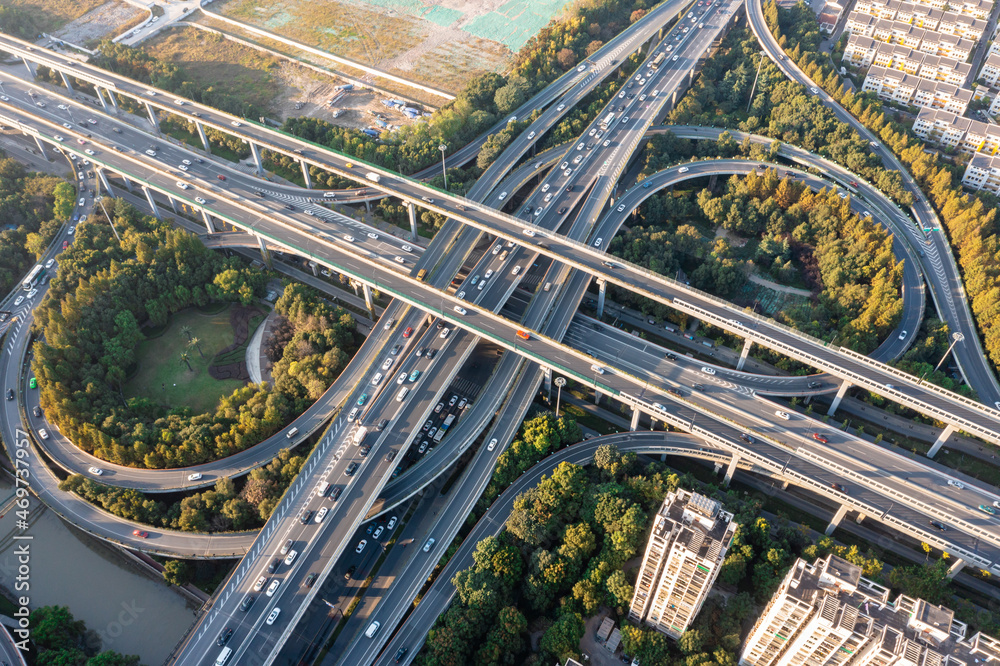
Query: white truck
x=359 y=435
x=372 y=176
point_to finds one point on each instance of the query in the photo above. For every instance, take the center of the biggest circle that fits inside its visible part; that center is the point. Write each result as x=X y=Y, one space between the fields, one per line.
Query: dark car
x=37 y=411
x=672 y=356
x=310 y=579
x=350 y=572
x=839 y=488
x=815 y=384
x=698 y=387
x=351 y=469
x=259 y=193
x=225 y=636
x=289 y=207
x=431 y=353
x=381 y=425
x=273 y=566
x=305 y=516
x=561 y=211
x=10 y=394
x=246 y=603
x=938 y=525
x=569 y=188
x=336 y=493
x=400 y=653
x=365 y=450
x=746 y=438
x=391 y=455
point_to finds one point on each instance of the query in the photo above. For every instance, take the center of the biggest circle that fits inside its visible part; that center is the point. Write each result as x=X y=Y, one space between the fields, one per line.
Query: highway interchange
x=726 y=395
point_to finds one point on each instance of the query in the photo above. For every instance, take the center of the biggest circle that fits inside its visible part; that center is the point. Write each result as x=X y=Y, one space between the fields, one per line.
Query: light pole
x=559 y=382
x=444 y=170
x=757 y=76
x=955 y=339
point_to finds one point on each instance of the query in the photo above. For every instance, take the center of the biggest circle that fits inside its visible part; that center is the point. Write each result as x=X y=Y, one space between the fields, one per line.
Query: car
x=814 y=91
x=220 y=177
x=259 y=585
x=415 y=375
x=564 y=165
x=431 y=353
x=362 y=400
x=782 y=415
x=335 y=495
x=462 y=403
x=31 y=294
x=408 y=332
x=873 y=144
x=531 y=135
x=361 y=545
x=37 y=411
x=560 y=107
x=82 y=202
x=200 y=200
x=598 y=242
x=492 y=445
x=815 y=384
x=194 y=476
x=43 y=433
x=839 y=488
x=18 y=301
x=305 y=516
x=395 y=349
x=747 y=438
x=288 y=545
x=401 y=378
x=515 y=270
x=438 y=408
x=625 y=119
x=89 y=152
x=503 y=195
x=890 y=386
x=598 y=369
x=272 y=588
x=987 y=509
x=273 y=566
x=378 y=532
x=429 y=545
x=364 y=451
x=820 y=438
x=351 y=469
x=183 y=186
x=321 y=514
x=460 y=310
x=936 y=524
x=224 y=637
x=400 y=653
x=954 y=483
x=141 y=534
x=274 y=613
x=488 y=274
x=96 y=471
x=235 y=123
x=387 y=363
x=444 y=333
x=432 y=432
x=350 y=572
x=372 y=235
x=902 y=336
x=352 y=415
x=246 y=603
x=707 y=370
x=562 y=211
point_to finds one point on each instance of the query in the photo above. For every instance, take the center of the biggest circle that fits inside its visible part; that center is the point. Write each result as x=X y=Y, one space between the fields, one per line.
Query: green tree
x=177 y=572
x=562 y=640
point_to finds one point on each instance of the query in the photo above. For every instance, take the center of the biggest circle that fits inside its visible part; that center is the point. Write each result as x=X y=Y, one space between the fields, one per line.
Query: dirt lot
x=82 y=22
x=440 y=43
x=265 y=80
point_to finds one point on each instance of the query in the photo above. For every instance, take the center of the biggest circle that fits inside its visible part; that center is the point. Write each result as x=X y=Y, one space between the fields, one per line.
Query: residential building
x=983 y=173
x=908 y=89
x=826 y=613
x=995 y=106
x=990 y=73
x=865 y=51
x=688 y=543
x=957 y=132
x=953 y=44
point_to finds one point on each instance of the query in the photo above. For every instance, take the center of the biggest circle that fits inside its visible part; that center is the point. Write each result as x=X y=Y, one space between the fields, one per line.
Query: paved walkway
x=779 y=287
x=258 y=365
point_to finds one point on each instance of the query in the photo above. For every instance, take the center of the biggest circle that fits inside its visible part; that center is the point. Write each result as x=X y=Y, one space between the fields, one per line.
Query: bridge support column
x=840 y=396
x=955 y=567
x=41 y=148
x=204 y=138
x=939 y=442
x=597 y=396
x=128 y=183
x=100 y=96
x=65 y=80
x=255 y=151
x=835 y=521
x=152 y=204
x=152 y=116
x=305 y=174
x=315 y=268
x=264 y=252
x=173 y=204
x=602 y=289
x=743 y=355
x=636 y=413
x=731 y=470
x=28 y=66
x=208 y=221
x=548 y=383
x=412 y=211
x=111 y=98
x=104 y=181
x=369 y=302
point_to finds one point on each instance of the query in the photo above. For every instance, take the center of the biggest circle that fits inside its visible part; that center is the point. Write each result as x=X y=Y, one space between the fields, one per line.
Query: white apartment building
x=691 y=534
x=983 y=173
x=827 y=614
x=953 y=131
x=925 y=40
x=865 y=52
x=909 y=89
x=990 y=73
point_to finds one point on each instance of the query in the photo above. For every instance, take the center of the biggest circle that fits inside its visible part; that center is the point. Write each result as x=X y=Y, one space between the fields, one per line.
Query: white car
x=194 y=476
x=428 y=545
x=183 y=186
x=683 y=170
x=89 y=151
x=186 y=162
x=399 y=260
x=361 y=545
x=292 y=554
x=179 y=102
x=321 y=514
x=445 y=332
x=560 y=107
x=488 y=274
x=18 y=301
x=902 y=336
x=200 y=200
x=516 y=270
x=814 y=91
x=460 y=310
x=579 y=69
x=492 y=445
x=598 y=369
x=607 y=142
x=407 y=248
x=782 y=415
x=401 y=378
x=391 y=524
x=273 y=587
x=32 y=294
x=388 y=363
x=96 y=471
x=182 y=167
x=235 y=123
x=378 y=532
x=259 y=585
x=707 y=370
x=348 y=238
x=48 y=264
x=372 y=235
x=529 y=233
x=956 y=484
x=59 y=138
x=598 y=242
x=151 y=152
x=42 y=433
x=82 y=202
x=531 y=135
x=273 y=616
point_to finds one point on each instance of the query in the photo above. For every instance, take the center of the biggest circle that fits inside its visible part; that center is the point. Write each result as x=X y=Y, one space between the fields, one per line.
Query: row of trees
x=91 y=321
x=970 y=219
x=33 y=207
x=790 y=232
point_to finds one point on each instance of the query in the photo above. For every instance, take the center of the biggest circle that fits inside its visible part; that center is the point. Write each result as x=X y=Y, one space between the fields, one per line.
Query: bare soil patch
x=100 y=20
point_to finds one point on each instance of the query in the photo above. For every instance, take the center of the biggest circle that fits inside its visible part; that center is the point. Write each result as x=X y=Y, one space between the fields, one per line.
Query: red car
x=820 y=438
x=221 y=177
x=408 y=332
x=65 y=244
x=140 y=534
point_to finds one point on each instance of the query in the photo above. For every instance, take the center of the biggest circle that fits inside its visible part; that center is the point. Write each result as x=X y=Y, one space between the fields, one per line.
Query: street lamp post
x=754 y=87
x=444 y=170
x=955 y=339
x=559 y=382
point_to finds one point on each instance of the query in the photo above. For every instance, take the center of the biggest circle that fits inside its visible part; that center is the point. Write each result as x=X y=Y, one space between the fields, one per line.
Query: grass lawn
x=162 y=375
x=53 y=14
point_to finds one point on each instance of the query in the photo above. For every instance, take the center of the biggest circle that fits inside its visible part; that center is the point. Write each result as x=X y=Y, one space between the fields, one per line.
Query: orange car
x=523 y=335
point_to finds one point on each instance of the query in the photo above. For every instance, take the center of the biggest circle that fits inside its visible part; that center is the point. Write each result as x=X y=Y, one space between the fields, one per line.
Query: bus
x=607 y=120
x=32 y=280
x=658 y=60
x=438 y=436
x=422 y=274
x=447 y=423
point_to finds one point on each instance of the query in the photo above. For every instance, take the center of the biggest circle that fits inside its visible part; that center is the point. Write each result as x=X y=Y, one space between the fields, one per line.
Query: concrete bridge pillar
x=111 y=98
x=41 y=148
x=203 y=136
x=369 y=302
x=152 y=115
x=747 y=344
x=939 y=442
x=255 y=151
x=173 y=204
x=65 y=80
x=731 y=470
x=548 y=383
x=636 y=413
x=305 y=174
x=264 y=252
x=152 y=204
x=28 y=66
x=956 y=566
x=208 y=221
x=840 y=396
x=103 y=177
x=412 y=211
x=835 y=521
x=602 y=289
